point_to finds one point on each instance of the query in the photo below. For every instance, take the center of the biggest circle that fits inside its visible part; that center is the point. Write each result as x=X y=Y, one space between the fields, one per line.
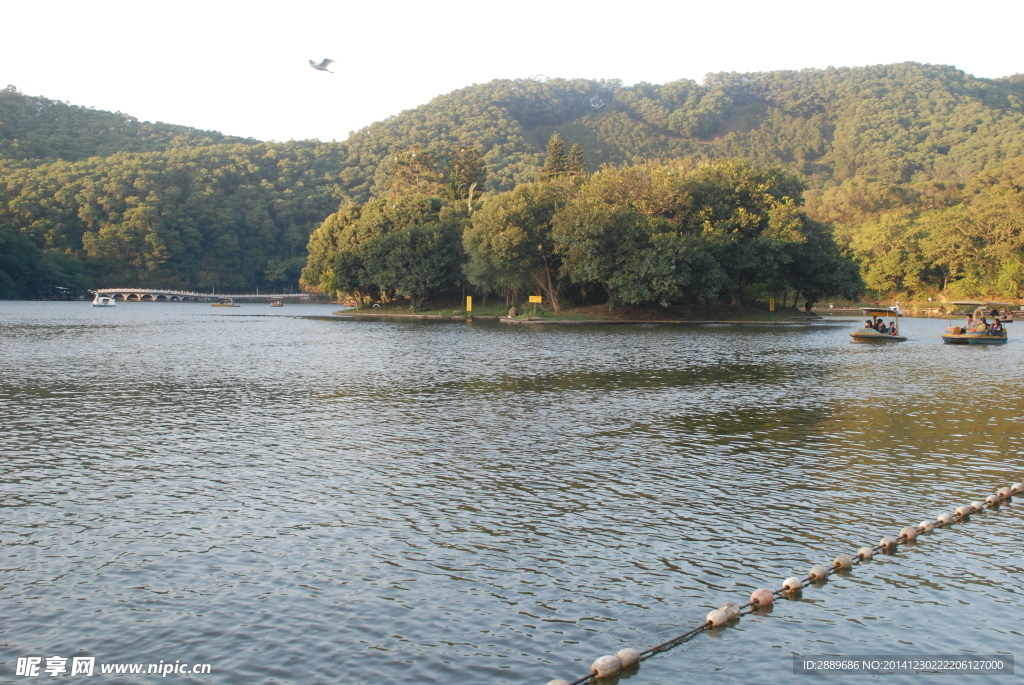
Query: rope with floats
x=610 y=664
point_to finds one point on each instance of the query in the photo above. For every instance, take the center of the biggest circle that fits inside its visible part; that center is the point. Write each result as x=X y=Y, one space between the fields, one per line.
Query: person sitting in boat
x=996 y=328
x=892 y=328
x=880 y=326
x=868 y=323
x=970 y=323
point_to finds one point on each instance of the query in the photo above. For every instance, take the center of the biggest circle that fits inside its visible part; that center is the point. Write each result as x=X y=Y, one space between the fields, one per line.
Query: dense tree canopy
x=142 y=203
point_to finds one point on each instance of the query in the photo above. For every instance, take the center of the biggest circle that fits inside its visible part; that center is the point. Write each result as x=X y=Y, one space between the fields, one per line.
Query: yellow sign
x=469 y=303
x=771 y=305
x=536 y=299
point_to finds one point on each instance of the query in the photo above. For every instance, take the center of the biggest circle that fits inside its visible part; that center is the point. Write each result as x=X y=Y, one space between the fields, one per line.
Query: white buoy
x=926 y=526
x=992 y=501
x=792 y=584
x=762 y=597
x=1017 y=489
x=964 y=512
x=731 y=609
x=865 y=553
x=717 y=618
x=978 y=506
x=909 y=533
x=888 y=542
x=605 y=666
x=558 y=681
x=843 y=561
x=628 y=657
x=818 y=572
x=1004 y=493
x=944 y=519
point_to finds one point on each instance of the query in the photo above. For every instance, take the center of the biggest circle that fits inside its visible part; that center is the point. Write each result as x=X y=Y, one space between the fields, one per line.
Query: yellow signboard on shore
x=469 y=303
x=536 y=299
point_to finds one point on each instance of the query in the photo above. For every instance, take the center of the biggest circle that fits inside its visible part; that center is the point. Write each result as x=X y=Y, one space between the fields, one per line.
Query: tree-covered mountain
x=36 y=128
x=154 y=203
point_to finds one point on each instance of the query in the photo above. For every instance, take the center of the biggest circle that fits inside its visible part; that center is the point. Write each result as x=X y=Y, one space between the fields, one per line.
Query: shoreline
x=534 y=321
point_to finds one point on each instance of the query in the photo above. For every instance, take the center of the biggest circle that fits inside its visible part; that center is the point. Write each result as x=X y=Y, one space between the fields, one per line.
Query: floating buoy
x=792 y=584
x=843 y=561
x=818 y=572
x=628 y=657
x=609 y=665
x=731 y=609
x=605 y=666
x=717 y=618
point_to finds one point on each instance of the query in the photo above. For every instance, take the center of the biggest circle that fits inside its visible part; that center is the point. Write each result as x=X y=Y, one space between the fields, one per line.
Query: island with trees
x=905 y=179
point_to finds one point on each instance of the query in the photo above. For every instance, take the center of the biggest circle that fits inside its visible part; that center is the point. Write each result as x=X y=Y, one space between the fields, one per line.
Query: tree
x=819 y=268
x=628 y=231
x=575 y=164
x=509 y=245
x=556 y=162
x=412 y=171
x=465 y=175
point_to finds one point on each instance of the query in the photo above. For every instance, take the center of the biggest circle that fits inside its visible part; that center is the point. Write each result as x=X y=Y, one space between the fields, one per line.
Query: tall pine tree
x=557 y=162
x=576 y=164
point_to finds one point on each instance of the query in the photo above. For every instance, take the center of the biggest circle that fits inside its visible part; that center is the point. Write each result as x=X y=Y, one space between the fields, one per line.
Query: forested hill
x=900 y=124
x=36 y=128
x=91 y=196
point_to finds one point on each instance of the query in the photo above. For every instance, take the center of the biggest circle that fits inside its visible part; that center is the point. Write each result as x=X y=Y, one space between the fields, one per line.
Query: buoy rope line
x=610 y=664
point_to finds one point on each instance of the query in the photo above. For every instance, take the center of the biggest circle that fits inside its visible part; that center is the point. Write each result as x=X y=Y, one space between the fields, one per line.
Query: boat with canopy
x=872 y=331
x=978 y=329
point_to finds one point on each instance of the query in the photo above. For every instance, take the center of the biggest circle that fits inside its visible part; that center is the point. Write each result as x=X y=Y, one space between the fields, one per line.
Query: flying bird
x=322 y=66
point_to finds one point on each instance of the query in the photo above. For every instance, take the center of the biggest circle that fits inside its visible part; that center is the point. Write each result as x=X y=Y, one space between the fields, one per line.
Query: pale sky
x=242 y=67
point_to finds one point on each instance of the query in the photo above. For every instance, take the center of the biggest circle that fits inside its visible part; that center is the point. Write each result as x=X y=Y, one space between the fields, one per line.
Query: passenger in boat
x=996 y=328
x=970 y=323
x=881 y=327
x=892 y=328
x=868 y=324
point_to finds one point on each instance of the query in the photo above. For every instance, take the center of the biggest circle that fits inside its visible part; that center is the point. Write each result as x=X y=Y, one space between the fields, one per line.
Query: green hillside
x=155 y=204
x=35 y=128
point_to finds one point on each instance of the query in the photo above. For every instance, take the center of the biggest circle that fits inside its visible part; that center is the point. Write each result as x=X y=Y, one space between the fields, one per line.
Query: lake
x=294 y=497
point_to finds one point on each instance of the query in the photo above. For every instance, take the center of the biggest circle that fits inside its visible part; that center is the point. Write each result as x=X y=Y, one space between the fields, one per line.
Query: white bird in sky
x=322 y=66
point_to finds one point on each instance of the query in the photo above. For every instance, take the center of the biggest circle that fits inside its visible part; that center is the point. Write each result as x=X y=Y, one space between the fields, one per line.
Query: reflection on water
x=292 y=497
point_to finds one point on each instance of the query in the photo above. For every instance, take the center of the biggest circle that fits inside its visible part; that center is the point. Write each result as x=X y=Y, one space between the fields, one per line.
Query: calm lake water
x=293 y=497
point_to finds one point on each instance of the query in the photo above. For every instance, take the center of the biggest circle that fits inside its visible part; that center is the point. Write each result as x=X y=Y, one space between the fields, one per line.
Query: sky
x=242 y=67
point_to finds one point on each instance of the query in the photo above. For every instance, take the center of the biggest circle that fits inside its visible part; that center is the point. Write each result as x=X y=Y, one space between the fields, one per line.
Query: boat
x=978 y=334
x=276 y=303
x=226 y=302
x=103 y=301
x=872 y=335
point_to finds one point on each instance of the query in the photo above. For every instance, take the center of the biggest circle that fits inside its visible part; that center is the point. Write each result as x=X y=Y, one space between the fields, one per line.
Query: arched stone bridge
x=152 y=295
